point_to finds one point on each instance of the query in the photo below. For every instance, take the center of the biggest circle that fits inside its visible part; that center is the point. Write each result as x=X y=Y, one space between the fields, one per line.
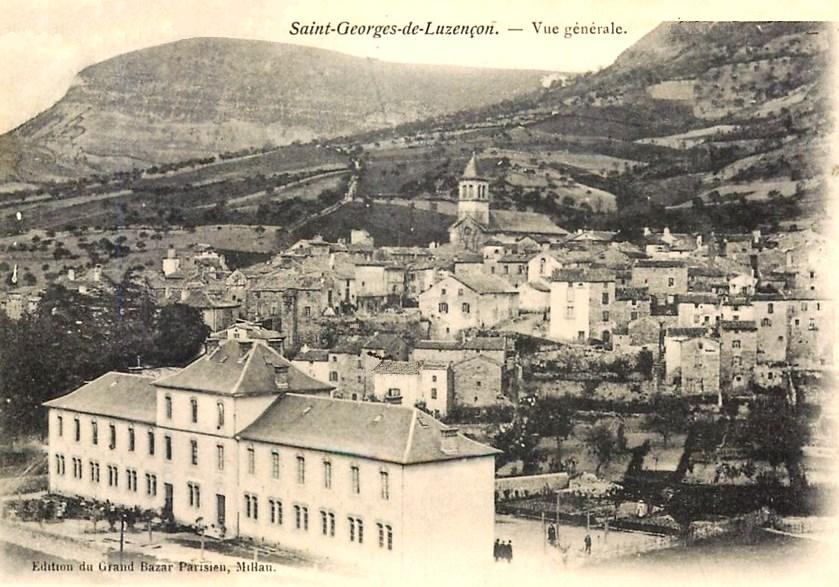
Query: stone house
x=478 y=382
x=738 y=354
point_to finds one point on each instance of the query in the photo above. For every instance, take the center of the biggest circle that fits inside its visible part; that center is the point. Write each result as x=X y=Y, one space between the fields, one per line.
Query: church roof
x=522 y=222
x=472 y=171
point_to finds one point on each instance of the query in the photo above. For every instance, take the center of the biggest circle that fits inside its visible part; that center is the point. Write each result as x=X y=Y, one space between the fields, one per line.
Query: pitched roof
x=482 y=358
x=525 y=222
x=312 y=355
x=448 y=345
x=738 y=325
x=377 y=431
x=660 y=263
x=632 y=293
x=398 y=368
x=697 y=298
x=235 y=368
x=686 y=331
x=385 y=341
x=584 y=275
x=200 y=299
x=472 y=170
x=116 y=395
x=485 y=343
x=485 y=284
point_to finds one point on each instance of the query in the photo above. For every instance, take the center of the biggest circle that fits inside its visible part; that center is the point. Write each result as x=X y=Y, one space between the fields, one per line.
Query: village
x=568 y=396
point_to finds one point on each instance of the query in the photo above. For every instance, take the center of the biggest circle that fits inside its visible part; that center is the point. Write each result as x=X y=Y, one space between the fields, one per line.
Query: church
x=477 y=223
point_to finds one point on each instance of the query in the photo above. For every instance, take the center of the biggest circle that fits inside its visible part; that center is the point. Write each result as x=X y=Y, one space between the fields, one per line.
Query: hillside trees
x=75 y=338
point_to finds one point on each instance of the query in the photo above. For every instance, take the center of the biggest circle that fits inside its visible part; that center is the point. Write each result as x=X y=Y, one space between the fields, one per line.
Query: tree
x=550 y=417
x=602 y=443
x=516 y=443
x=645 y=363
x=774 y=432
x=669 y=416
x=179 y=333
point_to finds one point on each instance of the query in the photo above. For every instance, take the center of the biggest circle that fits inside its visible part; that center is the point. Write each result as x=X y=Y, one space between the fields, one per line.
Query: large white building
x=256 y=448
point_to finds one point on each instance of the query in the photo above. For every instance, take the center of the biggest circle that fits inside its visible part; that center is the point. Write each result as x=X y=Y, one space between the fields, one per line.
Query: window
x=220 y=457
x=251 y=460
x=812 y=324
x=307 y=311
x=275 y=464
x=59 y=464
x=168 y=404
x=327 y=523
x=633 y=316
x=569 y=311
x=193 y=409
x=333 y=376
x=131 y=439
x=385 y=535
x=193 y=448
x=770 y=308
x=77 y=427
x=113 y=433
x=459 y=291
x=94 y=432
x=506 y=269
x=220 y=414
x=60 y=420
x=356 y=481
x=251 y=506
x=301 y=517
x=604 y=298
x=327 y=474
x=356 y=529
x=605 y=316
x=433 y=393
x=443 y=292
x=671 y=282
x=275 y=507
x=465 y=308
x=385 y=484
x=803 y=306
x=301 y=469
x=151 y=484
x=77 y=468
x=131 y=479
x=94 y=471
x=443 y=308
x=735 y=344
x=151 y=442
x=766 y=322
x=434 y=379
x=113 y=476
x=167 y=441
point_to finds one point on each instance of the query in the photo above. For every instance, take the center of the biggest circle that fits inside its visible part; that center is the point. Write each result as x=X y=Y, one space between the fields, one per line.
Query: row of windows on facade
x=443 y=308
x=355 y=525
x=94 y=468
x=275 y=458
x=193 y=409
x=605 y=315
x=355 y=473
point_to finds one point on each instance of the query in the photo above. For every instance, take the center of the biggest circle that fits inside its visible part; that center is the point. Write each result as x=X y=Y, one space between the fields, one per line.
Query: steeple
x=473 y=193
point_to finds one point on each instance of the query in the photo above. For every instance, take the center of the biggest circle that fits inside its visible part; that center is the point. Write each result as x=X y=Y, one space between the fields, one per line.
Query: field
x=39 y=258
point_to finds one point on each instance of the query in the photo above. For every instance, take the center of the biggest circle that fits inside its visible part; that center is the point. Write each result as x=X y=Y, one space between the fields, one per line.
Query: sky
x=44 y=43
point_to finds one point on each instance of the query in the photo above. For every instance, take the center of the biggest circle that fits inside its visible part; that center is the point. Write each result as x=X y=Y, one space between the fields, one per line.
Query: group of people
x=503 y=551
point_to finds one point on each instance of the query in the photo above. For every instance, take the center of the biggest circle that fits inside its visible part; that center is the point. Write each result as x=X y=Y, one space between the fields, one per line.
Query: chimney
x=281 y=376
x=448 y=440
x=71 y=274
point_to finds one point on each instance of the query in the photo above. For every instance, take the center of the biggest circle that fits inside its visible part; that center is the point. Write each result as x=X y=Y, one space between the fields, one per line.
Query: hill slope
x=203 y=96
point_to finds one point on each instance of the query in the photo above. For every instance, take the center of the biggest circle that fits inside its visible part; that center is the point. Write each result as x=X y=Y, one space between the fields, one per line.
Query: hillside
x=694 y=115
x=201 y=97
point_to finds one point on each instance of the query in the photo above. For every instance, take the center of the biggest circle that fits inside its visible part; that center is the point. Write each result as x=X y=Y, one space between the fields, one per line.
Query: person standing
x=496 y=549
x=509 y=551
x=588 y=544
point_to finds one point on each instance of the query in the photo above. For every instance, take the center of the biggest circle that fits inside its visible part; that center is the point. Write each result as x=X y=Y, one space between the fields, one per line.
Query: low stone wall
x=704 y=530
x=507 y=488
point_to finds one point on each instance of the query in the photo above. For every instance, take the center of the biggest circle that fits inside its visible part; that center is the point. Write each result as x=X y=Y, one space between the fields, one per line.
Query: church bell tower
x=473 y=193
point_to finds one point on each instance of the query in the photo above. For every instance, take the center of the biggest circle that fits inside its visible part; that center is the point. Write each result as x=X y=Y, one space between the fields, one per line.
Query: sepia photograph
x=460 y=293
